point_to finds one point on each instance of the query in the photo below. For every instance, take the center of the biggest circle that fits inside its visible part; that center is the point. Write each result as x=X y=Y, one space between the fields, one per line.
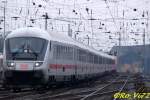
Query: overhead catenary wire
x=111 y=14
x=61 y=11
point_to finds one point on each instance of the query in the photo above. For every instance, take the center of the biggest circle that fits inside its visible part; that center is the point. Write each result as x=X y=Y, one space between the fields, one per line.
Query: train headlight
x=37 y=64
x=10 y=64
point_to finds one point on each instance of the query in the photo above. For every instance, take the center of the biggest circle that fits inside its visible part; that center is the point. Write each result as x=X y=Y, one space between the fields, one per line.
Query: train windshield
x=25 y=48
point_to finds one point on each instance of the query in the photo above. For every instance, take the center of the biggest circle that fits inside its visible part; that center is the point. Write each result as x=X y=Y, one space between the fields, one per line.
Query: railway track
x=103 y=88
x=7 y=95
x=82 y=94
x=107 y=91
x=140 y=84
x=32 y=94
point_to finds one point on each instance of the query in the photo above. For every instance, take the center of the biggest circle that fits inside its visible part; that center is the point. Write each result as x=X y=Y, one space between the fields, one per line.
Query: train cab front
x=24 y=63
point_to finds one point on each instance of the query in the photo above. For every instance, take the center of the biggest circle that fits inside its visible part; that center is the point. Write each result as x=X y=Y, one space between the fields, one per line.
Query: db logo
x=24 y=66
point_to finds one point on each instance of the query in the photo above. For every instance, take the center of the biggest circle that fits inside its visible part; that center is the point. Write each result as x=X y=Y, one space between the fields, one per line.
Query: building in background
x=134 y=59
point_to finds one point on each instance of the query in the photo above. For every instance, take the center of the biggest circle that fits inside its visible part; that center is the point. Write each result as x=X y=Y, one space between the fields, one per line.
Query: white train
x=33 y=56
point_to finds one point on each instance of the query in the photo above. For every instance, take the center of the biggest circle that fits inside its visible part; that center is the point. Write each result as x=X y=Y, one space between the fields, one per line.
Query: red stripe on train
x=59 y=66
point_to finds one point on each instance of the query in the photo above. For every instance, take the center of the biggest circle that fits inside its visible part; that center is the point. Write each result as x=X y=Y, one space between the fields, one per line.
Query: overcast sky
x=108 y=17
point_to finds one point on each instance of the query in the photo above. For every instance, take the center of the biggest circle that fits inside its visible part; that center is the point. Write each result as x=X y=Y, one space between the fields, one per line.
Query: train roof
x=63 y=37
x=54 y=36
x=29 y=32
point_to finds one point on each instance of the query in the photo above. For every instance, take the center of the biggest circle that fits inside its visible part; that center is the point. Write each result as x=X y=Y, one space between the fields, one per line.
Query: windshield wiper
x=33 y=51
